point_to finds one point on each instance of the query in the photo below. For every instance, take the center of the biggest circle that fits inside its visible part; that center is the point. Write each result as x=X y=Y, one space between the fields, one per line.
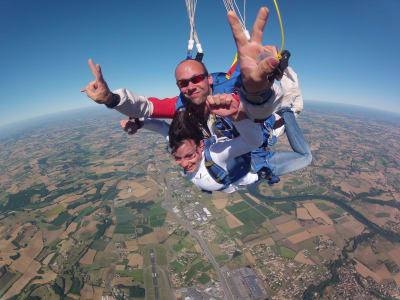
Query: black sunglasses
x=195 y=79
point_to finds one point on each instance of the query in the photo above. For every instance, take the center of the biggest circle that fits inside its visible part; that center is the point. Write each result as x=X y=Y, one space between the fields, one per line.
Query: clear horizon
x=343 y=52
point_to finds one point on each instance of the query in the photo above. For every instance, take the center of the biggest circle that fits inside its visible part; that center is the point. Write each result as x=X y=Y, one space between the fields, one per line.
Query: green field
x=250 y=216
x=136 y=274
x=177 y=266
x=286 y=252
x=237 y=207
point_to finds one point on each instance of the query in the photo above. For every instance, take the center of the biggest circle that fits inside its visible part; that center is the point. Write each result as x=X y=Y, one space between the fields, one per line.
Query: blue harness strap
x=255 y=161
x=237 y=168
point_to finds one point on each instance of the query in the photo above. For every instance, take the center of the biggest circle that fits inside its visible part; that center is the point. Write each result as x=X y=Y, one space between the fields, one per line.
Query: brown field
x=73 y=296
x=71 y=228
x=250 y=258
x=29 y=272
x=52 y=235
x=394 y=254
x=170 y=218
x=299 y=237
x=88 y=257
x=220 y=203
x=291 y=226
x=239 y=242
x=78 y=208
x=87 y=292
x=127 y=281
x=91 y=227
x=350 y=228
x=110 y=230
x=6 y=244
x=267 y=242
x=66 y=245
x=139 y=190
x=198 y=248
x=355 y=185
x=92 y=191
x=366 y=256
x=98 y=293
x=316 y=213
x=365 y=272
x=5 y=258
x=150 y=238
x=231 y=220
x=302 y=214
x=135 y=260
x=48 y=258
x=120 y=267
x=131 y=245
x=29 y=253
x=301 y=258
x=253 y=198
x=161 y=234
x=322 y=229
x=281 y=219
x=30 y=231
x=46 y=277
x=383 y=272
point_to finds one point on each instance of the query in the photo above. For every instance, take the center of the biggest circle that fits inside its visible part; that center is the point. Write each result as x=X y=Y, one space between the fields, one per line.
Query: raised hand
x=256 y=61
x=98 y=90
x=225 y=105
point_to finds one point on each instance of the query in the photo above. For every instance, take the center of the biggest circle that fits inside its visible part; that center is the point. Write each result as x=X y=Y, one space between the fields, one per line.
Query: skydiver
x=195 y=84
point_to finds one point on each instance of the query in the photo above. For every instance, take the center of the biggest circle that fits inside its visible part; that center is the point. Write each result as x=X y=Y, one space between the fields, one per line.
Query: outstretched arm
x=125 y=101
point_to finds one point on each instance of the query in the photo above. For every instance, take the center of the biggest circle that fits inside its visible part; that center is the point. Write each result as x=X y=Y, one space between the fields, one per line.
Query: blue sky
x=343 y=51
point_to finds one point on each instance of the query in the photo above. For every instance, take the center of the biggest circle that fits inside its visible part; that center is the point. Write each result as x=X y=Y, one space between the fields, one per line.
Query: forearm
x=270 y=101
x=157 y=126
x=132 y=105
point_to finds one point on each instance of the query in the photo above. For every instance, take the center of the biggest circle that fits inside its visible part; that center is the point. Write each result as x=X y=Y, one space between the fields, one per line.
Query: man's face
x=188 y=155
x=195 y=92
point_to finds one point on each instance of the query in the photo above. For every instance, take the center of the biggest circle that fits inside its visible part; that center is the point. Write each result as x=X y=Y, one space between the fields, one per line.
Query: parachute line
x=191 y=10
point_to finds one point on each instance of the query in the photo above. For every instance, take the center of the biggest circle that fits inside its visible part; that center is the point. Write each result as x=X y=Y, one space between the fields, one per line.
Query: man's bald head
x=190 y=62
x=193 y=80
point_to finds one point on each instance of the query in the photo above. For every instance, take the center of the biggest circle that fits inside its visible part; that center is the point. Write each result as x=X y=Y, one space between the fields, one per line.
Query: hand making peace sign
x=254 y=70
x=98 y=89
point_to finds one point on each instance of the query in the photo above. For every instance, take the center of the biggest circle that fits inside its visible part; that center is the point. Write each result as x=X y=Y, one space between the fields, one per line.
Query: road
x=168 y=206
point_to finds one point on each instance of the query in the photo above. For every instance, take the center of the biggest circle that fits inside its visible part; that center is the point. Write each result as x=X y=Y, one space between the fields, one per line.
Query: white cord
x=191 y=10
x=231 y=5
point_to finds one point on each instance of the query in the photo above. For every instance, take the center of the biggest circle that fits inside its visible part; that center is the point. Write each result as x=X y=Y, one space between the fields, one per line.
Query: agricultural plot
x=88 y=257
x=135 y=260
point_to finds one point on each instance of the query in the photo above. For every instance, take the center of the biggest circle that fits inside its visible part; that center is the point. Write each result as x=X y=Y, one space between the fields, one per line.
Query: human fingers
x=210 y=100
x=259 y=25
x=225 y=99
x=271 y=49
x=265 y=67
x=123 y=124
x=238 y=35
x=100 y=74
x=93 y=68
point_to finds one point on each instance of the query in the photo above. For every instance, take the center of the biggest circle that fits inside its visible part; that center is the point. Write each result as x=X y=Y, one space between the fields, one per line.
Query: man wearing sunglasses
x=195 y=84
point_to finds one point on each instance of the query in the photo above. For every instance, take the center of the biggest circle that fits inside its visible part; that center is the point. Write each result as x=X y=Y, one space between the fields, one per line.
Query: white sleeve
x=291 y=92
x=132 y=105
x=287 y=93
x=251 y=137
x=157 y=126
